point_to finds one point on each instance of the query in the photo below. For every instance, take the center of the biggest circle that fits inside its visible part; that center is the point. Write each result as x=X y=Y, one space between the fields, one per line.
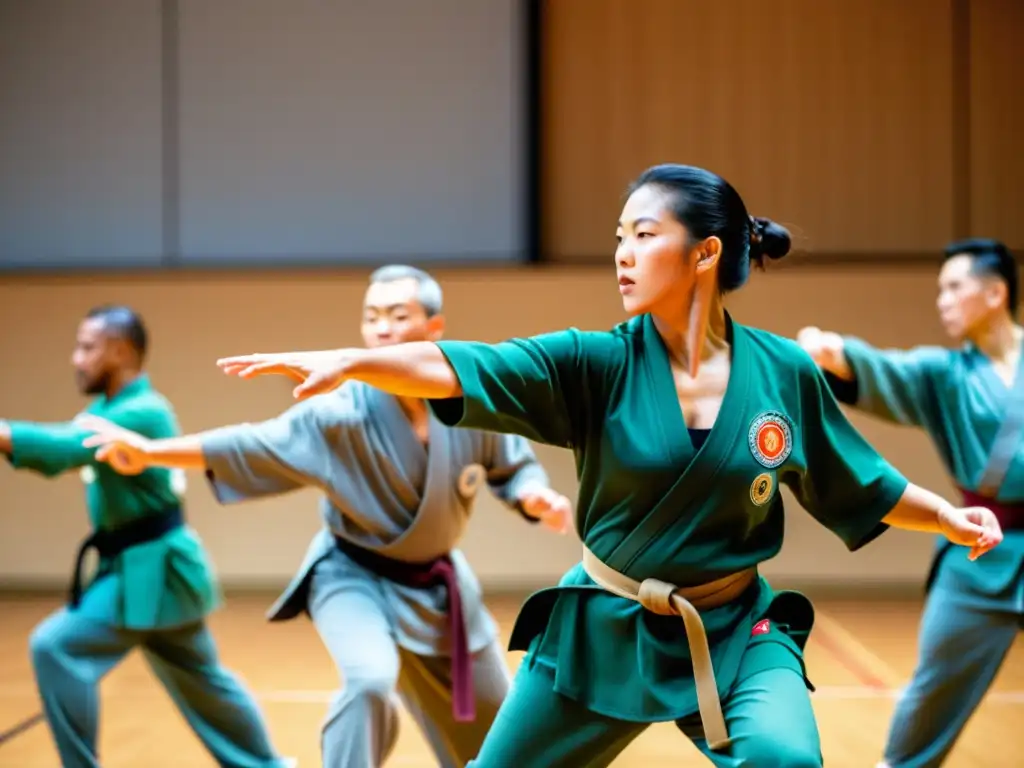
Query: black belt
x=111 y=543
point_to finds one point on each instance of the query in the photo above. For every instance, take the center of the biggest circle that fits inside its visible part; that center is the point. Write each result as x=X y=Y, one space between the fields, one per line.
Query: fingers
x=969 y=529
x=551 y=508
x=981 y=532
x=537 y=499
x=990 y=533
x=968 y=535
x=555 y=520
x=809 y=337
x=808 y=332
x=317 y=383
x=558 y=514
x=241 y=360
x=992 y=526
x=977 y=551
x=314 y=372
x=96 y=423
x=565 y=523
x=113 y=453
x=537 y=506
x=96 y=440
x=241 y=365
x=121 y=459
x=987 y=541
x=565 y=514
x=103 y=431
x=263 y=368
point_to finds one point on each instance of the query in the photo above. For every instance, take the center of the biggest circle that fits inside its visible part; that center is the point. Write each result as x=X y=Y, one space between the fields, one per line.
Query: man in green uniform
x=684 y=423
x=970 y=401
x=154 y=586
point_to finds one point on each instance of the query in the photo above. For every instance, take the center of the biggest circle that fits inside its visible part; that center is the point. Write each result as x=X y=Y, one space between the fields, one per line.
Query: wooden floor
x=859 y=654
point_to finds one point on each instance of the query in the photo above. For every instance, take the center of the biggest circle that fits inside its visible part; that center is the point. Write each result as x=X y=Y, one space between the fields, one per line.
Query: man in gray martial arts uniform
x=394 y=601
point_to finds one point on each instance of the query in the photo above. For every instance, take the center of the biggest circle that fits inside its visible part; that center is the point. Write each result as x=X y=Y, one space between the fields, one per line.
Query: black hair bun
x=767 y=239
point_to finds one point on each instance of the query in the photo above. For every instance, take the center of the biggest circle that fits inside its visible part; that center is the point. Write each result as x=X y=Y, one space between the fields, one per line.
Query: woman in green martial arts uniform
x=684 y=423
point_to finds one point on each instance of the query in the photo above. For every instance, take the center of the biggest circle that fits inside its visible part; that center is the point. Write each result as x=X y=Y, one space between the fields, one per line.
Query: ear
x=996 y=294
x=435 y=328
x=708 y=252
x=119 y=351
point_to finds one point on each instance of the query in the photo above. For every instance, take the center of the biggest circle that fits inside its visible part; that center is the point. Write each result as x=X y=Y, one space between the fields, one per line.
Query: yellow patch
x=470 y=480
x=762 y=487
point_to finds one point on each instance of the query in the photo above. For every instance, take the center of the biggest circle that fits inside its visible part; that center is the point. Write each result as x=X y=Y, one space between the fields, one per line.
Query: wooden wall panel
x=997 y=120
x=835 y=118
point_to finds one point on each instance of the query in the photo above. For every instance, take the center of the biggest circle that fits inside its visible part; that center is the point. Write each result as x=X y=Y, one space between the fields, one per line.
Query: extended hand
x=550 y=507
x=824 y=347
x=121 y=448
x=315 y=372
x=974 y=527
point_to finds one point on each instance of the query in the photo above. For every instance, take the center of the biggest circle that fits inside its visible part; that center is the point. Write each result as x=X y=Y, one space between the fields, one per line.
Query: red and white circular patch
x=770 y=439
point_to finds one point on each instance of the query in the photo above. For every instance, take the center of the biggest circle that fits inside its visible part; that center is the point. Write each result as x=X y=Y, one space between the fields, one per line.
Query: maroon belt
x=1009 y=515
x=422 y=575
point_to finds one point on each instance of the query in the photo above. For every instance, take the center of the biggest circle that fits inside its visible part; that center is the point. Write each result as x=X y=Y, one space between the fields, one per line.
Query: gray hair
x=429 y=296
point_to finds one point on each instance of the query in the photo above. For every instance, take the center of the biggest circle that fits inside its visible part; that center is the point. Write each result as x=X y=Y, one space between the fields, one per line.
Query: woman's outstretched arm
x=416 y=369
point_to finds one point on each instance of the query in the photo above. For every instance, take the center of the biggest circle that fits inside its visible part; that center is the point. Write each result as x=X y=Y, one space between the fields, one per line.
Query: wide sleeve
x=895 y=385
x=282 y=454
x=511 y=466
x=53 y=448
x=844 y=482
x=48 y=448
x=533 y=387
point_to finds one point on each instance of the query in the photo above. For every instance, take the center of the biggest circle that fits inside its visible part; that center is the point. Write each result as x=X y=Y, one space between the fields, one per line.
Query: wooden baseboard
x=825 y=589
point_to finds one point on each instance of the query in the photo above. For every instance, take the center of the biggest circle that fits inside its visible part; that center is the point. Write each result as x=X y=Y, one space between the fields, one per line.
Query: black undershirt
x=698 y=437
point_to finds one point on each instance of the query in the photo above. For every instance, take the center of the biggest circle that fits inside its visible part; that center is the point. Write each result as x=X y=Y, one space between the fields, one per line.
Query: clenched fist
x=550 y=507
x=825 y=349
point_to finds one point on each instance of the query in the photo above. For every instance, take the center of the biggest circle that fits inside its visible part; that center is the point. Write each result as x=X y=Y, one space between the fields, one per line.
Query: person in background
x=154 y=587
x=970 y=401
x=393 y=599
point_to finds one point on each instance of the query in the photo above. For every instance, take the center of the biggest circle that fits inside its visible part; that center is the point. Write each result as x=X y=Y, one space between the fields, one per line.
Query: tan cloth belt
x=667 y=600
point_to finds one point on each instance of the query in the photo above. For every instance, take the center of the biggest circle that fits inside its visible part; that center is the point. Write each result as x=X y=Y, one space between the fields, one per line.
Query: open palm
x=315 y=372
x=121 y=448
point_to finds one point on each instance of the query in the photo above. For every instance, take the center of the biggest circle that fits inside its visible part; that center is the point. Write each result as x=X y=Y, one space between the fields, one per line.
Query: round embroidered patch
x=770 y=439
x=470 y=479
x=762 y=487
